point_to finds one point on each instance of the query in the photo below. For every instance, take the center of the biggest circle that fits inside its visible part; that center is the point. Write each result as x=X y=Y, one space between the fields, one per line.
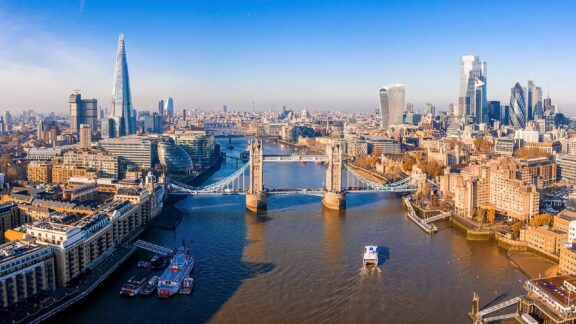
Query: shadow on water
x=354 y=200
x=383 y=255
x=229 y=248
x=496 y=300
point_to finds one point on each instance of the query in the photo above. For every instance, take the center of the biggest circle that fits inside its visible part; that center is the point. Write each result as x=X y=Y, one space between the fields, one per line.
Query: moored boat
x=150 y=286
x=159 y=262
x=187 y=286
x=180 y=267
x=143 y=264
x=133 y=286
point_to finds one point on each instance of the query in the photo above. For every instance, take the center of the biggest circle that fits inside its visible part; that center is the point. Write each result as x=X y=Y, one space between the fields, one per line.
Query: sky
x=316 y=54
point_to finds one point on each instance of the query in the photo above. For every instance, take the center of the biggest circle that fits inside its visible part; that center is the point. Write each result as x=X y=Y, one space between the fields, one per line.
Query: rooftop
x=12 y=250
x=557 y=288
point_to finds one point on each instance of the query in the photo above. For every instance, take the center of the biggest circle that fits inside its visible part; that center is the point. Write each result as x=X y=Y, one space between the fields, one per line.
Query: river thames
x=299 y=262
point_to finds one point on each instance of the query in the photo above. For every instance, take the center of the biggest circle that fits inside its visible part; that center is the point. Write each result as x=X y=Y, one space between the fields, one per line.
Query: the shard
x=122 y=111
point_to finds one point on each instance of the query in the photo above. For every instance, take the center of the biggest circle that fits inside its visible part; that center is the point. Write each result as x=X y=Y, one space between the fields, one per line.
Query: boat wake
x=369 y=270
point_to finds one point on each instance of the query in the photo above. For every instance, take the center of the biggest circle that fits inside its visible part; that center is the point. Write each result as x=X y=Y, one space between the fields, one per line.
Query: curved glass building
x=201 y=148
x=174 y=157
x=517 y=107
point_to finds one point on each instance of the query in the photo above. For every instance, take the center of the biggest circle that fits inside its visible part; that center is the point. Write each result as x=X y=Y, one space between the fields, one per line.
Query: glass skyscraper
x=122 y=111
x=169 y=107
x=391 y=104
x=534 y=107
x=472 y=100
x=517 y=107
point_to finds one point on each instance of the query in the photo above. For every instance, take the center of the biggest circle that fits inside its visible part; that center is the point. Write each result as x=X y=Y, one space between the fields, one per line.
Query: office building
x=409 y=108
x=517 y=107
x=391 y=104
x=161 y=107
x=472 y=99
x=169 y=107
x=380 y=146
x=85 y=136
x=534 y=105
x=430 y=109
x=82 y=111
x=122 y=110
x=494 y=111
x=566 y=167
x=108 y=128
x=225 y=108
x=201 y=148
x=26 y=269
x=140 y=150
x=174 y=157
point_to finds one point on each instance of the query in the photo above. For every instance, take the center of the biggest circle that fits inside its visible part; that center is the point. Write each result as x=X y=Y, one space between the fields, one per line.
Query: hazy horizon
x=300 y=54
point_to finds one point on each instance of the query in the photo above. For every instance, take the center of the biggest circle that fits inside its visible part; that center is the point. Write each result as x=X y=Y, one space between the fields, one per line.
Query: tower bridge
x=248 y=180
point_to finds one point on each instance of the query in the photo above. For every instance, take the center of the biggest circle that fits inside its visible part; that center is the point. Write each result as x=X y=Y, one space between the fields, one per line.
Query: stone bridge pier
x=334 y=196
x=256 y=199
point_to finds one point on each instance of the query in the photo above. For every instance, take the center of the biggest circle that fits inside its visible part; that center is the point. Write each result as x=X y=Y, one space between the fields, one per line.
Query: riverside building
x=26 y=269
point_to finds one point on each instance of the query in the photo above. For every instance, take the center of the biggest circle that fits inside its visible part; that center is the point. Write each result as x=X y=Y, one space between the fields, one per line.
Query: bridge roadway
x=295 y=158
x=278 y=192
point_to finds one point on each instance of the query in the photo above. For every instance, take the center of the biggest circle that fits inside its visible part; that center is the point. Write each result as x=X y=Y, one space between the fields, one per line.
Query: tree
x=516 y=230
x=491 y=216
x=542 y=219
x=408 y=163
x=5 y=159
x=530 y=153
x=482 y=145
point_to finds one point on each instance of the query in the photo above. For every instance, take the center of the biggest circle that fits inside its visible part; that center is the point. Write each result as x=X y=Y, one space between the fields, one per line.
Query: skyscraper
x=391 y=104
x=161 y=107
x=409 y=108
x=82 y=111
x=534 y=105
x=40 y=128
x=472 y=100
x=517 y=107
x=169 y=107
x=494 y=110
x=121 y=96
x=430 y=109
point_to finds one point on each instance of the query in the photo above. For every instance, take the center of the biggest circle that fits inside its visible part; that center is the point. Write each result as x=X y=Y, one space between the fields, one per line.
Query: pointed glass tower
x=121 y=98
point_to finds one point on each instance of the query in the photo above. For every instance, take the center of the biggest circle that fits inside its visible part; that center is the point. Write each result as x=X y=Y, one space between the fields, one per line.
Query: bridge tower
x=255 y=196
x=334 y=197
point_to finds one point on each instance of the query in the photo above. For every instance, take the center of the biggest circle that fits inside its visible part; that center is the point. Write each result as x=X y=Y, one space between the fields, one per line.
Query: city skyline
x=258 y=53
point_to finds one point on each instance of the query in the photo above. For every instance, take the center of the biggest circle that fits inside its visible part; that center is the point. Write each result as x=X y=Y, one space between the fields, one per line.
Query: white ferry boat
x=370 y=256
x=180 y=266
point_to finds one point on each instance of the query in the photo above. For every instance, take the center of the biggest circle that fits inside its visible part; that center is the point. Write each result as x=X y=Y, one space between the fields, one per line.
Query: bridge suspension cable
x=230 y=182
